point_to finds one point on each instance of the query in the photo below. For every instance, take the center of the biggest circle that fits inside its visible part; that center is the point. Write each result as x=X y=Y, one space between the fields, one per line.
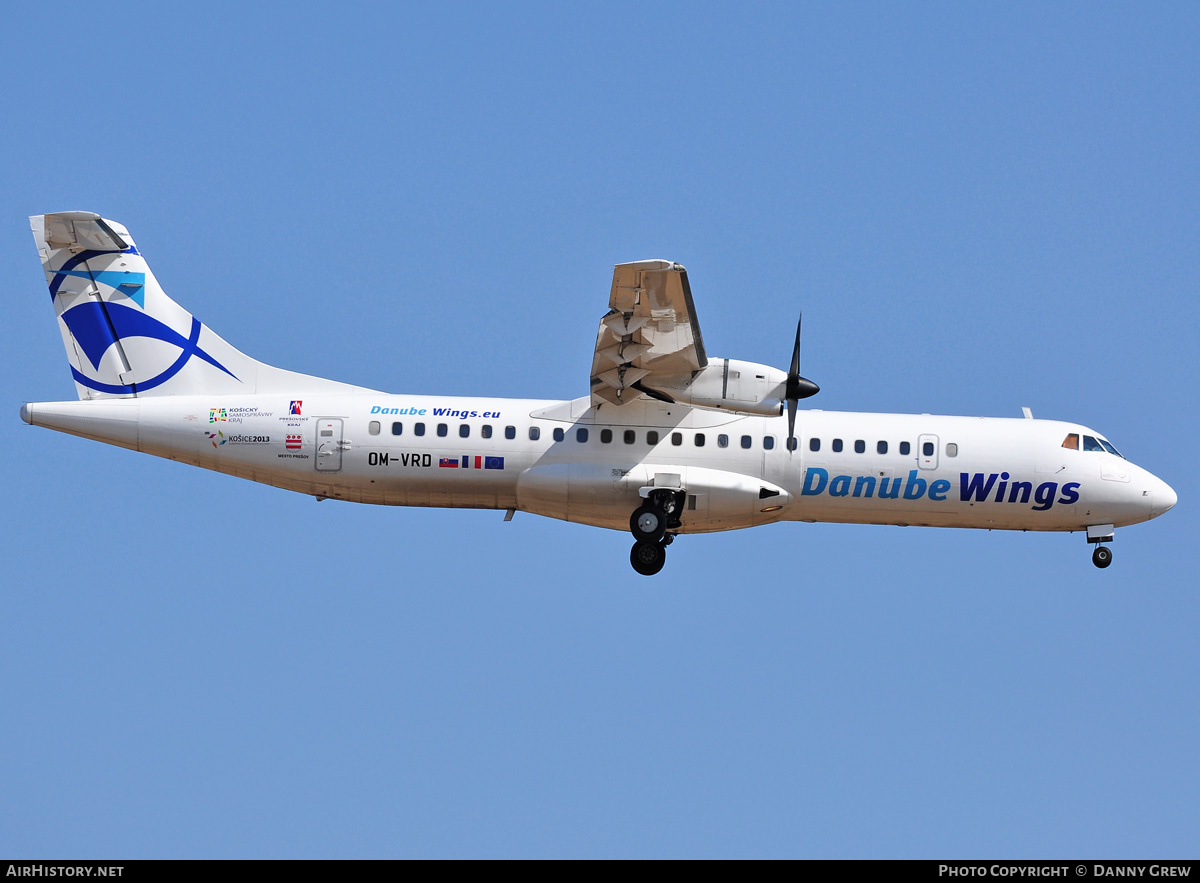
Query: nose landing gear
x=1100 y=534
x=649 y=525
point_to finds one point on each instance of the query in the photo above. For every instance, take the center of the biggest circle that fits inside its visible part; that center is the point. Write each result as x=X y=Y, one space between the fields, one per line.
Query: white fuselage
x=494 y=453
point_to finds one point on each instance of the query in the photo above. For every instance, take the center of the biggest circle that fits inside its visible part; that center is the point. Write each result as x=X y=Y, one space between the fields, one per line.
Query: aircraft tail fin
x=124 y=336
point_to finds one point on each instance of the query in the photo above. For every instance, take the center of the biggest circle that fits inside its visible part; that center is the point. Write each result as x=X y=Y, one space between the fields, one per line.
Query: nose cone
x=1164 y=498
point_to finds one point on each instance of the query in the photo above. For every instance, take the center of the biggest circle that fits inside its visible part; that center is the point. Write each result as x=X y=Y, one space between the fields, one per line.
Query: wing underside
x=649 y=331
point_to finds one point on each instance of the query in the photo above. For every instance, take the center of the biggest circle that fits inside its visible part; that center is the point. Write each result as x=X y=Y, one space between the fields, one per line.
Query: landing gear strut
x=1102 y=556
x=649 y=525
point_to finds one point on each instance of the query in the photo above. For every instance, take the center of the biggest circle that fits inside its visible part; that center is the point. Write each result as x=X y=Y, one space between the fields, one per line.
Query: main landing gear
x=1102 y=556
x=651 y=525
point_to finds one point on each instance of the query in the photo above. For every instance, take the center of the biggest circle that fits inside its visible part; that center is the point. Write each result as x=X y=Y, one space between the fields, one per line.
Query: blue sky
x=977 y=207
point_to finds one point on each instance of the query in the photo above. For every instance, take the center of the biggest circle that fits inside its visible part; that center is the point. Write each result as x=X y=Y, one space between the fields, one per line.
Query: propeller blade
x=797 y=388
x=791 y=406
x=795 y=369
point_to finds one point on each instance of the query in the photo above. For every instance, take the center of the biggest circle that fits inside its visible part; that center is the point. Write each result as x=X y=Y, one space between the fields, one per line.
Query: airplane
x=668 y=440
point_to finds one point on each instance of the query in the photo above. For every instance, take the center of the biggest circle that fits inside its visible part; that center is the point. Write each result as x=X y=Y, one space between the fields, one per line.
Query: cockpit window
x=1091 y=443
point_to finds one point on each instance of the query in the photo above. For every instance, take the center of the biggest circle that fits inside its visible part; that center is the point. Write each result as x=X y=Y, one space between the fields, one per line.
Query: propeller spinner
x=797 y=388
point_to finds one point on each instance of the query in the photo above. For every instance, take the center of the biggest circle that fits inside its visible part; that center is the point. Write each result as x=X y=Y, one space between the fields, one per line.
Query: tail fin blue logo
x=132 y=285
x=97 y=327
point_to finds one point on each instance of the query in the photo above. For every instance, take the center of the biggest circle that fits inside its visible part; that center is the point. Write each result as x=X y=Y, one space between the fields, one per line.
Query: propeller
x=797 y=388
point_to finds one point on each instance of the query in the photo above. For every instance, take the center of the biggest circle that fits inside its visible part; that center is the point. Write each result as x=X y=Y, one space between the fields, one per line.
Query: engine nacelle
x=728 y=385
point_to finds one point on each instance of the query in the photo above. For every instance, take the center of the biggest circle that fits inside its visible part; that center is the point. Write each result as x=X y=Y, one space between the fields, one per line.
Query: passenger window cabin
x=510 y=432
x=581 y=435
x=373 y=427
x=398 y=428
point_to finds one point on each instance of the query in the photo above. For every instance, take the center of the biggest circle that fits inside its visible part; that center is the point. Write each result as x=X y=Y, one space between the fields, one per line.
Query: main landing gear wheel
x=648 y=524
x=1102 y=556
x=648 y=557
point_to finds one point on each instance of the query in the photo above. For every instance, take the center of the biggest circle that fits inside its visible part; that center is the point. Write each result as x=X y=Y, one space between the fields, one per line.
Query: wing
x=649 y=331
